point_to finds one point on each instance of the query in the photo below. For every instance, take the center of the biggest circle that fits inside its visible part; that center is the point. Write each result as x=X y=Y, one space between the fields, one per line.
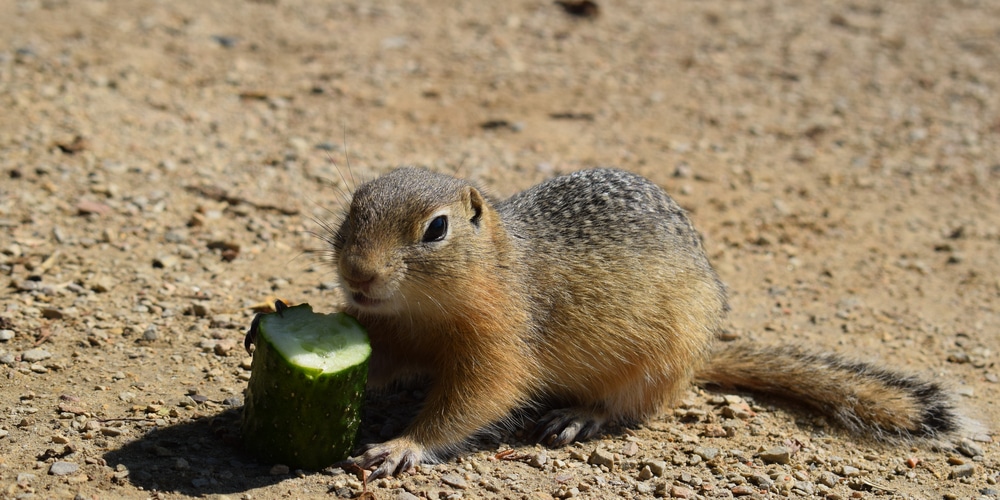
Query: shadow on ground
x=198 y=457
x=204 y=456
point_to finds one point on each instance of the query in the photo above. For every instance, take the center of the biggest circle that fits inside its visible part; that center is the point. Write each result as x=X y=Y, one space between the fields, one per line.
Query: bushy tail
x=862 y=397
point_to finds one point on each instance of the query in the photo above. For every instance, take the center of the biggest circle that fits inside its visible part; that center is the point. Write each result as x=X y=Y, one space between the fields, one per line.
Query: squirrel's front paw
x=392 y=457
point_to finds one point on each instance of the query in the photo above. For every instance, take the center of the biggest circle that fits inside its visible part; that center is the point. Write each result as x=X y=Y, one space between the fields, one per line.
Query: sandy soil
x=164 y=165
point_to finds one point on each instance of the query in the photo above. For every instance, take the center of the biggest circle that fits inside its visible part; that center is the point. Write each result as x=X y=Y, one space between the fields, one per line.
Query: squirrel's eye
x=437 y=229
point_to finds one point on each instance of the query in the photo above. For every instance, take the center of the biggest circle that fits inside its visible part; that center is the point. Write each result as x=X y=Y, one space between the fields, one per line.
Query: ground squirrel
x=590 y=294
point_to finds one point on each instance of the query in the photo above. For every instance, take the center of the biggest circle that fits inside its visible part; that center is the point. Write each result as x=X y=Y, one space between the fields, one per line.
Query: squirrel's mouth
x=364 y=301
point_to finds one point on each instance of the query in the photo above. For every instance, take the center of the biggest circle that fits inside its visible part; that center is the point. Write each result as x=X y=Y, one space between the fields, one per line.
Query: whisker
x=347 y=158
x=346 y=193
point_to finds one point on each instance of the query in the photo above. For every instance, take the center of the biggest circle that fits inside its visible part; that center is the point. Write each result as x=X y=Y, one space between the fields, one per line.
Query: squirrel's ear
x=474 y=204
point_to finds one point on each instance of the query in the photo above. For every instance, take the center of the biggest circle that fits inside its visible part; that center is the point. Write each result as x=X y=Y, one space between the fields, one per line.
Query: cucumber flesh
x=317 y=343
x=307 y=380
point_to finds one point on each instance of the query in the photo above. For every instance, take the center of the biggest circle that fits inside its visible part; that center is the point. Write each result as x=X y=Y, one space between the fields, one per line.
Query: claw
x=392 y=458
x=251 y=336
x=279 y=307
x=561 y=427
x=252 y=332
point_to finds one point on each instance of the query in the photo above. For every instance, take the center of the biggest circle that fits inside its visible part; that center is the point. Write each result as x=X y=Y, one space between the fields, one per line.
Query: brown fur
x=590 y=290
x=862 y=397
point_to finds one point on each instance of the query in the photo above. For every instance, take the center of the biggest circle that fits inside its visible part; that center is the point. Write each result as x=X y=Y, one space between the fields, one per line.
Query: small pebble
x=102 y=284
x=969 y=449
x=981 y=437
x=741 y=411
x=848 y=471
x=645 y=474
x=715 y=430
x=111 y=431
x=657 y=467
x=63 y=468
x=279 y=470
x=706 y=453
x=538 y=460
x=761 y=480
x=967 y=470
x=27 y=286
x=6 y=335
x=603 y=457
x=645 y=487
x=777 y=455
x=681 y=492
x=86 y=207
x=805 y=487
x=35 y=355
x=52 y=313
x=455 y=481
x=224 y=347
x=165 y=261
x=630 y=449
x=198 y=310
x=567 y=492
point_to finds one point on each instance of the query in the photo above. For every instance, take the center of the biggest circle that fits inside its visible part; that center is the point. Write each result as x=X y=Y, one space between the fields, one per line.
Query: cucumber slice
x=307 y=381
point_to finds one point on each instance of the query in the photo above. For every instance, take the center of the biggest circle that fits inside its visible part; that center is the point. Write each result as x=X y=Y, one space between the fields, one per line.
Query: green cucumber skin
x=292 y=420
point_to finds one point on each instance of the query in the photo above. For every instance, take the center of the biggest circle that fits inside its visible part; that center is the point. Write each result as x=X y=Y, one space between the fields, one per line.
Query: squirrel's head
x=407 y=236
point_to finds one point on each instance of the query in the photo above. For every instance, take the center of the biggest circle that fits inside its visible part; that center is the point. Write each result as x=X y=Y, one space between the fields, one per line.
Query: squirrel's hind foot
x=563 y=426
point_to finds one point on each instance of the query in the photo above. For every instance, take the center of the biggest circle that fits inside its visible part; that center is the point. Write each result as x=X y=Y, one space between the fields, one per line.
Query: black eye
x=437 y=229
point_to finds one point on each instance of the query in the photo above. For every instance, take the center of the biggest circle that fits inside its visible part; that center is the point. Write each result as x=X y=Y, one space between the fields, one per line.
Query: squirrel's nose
x=360 y=284
x=358 y=276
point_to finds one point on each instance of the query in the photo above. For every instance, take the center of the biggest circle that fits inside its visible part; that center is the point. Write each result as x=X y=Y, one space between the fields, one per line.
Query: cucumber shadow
x=204 y=456
x=198 y=457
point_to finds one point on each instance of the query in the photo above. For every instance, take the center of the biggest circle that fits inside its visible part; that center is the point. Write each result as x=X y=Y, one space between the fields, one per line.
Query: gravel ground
x=165 y=166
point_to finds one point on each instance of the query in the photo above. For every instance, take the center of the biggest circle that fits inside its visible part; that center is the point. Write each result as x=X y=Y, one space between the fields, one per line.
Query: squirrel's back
x=626 y=302
x=591 y=211
x=612 y=221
